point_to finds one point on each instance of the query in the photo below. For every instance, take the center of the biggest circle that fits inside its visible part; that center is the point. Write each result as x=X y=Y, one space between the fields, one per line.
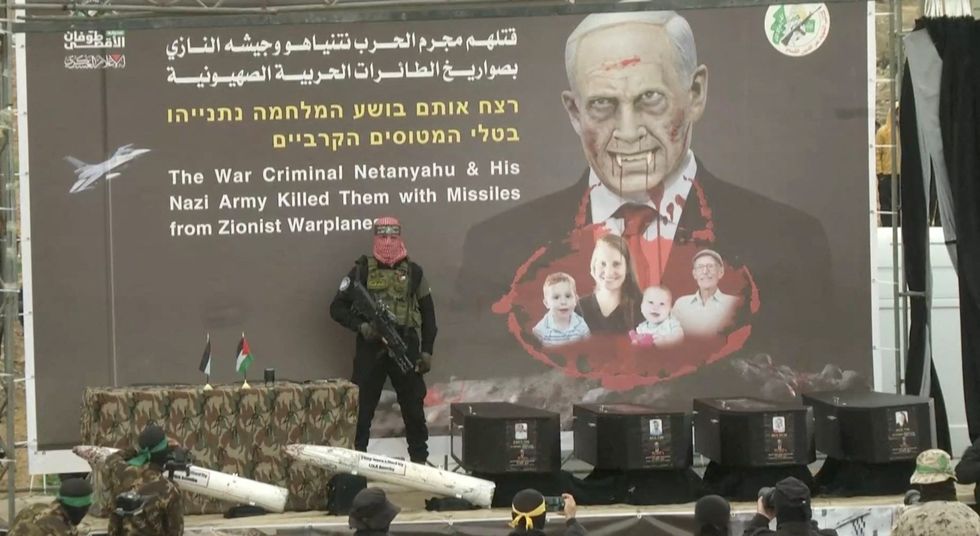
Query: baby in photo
x=561 y=324
x=659 y=328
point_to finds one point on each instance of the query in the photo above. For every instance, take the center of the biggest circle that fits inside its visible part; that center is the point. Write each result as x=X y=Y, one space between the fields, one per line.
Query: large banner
x=644 y=206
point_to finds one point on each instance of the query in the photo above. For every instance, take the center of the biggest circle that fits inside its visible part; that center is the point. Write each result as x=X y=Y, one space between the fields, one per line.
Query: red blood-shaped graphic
x=611 y=358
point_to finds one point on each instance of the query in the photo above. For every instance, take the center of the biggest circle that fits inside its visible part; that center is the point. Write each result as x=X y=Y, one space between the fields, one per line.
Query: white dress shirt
x=604 y=202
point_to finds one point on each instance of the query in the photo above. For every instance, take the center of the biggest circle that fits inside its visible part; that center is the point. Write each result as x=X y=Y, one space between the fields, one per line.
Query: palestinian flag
x=205 y=365
x=244 y=356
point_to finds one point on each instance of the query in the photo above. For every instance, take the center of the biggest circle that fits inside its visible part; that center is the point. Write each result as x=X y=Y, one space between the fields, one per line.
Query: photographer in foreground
x=529 y=514
x=789 y=503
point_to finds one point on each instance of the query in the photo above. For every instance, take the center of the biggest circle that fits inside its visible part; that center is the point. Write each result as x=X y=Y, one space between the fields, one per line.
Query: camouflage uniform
x=43 y=520
x=163 y=514
x=937 y=518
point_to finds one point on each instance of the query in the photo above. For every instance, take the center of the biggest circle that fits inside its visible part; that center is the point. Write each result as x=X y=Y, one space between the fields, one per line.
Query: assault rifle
x=384 y=322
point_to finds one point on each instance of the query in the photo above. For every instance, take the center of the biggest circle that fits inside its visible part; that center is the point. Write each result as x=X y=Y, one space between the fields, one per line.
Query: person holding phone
x=529 y=512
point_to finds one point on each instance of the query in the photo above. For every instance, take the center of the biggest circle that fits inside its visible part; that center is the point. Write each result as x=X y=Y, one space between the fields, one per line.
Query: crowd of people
x=148 y=503
x=932 y=508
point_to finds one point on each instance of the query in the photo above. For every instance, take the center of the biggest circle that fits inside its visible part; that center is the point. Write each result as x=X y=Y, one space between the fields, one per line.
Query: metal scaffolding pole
x=10 y=259
x=899 y=293
x=900 y=308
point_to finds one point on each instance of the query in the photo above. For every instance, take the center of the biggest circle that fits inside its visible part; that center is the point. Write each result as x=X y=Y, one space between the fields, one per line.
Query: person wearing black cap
x=528 y=514
x=789 y=503
x=371 y=513
x=712 y=513
x=140 y=473
x=58 y=518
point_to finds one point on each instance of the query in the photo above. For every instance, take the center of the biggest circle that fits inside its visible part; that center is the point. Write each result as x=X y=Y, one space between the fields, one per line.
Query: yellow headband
x=526 y=516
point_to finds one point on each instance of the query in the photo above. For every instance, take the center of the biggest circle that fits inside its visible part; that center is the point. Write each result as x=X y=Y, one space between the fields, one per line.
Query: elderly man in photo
x=636 y=91
x=708 y=311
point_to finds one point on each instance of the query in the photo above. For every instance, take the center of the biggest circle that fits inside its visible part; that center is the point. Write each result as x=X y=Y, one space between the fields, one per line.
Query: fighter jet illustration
x=89 y=173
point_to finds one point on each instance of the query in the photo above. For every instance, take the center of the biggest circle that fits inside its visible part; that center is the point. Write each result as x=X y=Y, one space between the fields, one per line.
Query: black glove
x=424 y=363
x=368 y=332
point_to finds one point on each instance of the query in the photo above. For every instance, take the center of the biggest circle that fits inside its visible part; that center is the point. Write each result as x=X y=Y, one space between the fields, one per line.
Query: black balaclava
x=153 y=447
x=75 y=496
x=942 y=491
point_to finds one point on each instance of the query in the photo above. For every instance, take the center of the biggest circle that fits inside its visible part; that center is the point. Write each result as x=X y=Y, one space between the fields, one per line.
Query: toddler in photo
x=561 y=324
x=659 y=328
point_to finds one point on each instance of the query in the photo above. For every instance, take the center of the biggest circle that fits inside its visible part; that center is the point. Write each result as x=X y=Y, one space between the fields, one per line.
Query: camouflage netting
x=231 y=430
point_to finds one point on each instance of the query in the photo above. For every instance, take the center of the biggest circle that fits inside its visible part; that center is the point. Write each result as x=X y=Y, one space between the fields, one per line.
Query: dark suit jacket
x=785 y=250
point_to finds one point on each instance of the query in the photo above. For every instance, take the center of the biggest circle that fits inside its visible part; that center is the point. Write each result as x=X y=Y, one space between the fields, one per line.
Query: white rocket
x=215 y=484
x=393 y=471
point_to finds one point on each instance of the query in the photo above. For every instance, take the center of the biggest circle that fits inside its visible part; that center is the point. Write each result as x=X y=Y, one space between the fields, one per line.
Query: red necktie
x=636 y=218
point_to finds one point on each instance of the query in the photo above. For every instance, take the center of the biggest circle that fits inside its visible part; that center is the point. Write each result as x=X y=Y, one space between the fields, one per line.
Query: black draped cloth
x=957 y=42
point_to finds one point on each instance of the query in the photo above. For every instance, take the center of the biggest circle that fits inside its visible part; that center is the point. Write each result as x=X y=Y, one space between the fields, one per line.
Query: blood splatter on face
x=678 y=126
x=630 y=107
x=627 y=62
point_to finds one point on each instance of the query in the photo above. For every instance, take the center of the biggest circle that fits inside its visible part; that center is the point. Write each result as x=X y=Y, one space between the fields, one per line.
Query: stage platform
x=856 y=516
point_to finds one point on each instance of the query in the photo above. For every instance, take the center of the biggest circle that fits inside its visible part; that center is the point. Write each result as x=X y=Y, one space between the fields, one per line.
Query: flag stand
x=205 y=366
x=243 y=360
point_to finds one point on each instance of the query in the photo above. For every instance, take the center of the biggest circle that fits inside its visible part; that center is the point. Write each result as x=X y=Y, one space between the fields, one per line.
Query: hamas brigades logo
x=797 y=29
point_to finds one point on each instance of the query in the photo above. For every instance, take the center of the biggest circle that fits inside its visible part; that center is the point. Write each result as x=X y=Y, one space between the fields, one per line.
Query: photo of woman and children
x=650 y=317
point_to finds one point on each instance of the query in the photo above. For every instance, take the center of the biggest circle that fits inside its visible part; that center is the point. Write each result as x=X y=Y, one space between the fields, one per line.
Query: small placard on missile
x=193 y=476
x=381 y=464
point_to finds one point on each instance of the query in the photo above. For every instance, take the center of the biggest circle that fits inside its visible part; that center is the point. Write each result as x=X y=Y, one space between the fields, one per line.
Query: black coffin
x=631 y=437
x=751 y=432
x=500 y=437
x=872 y=427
